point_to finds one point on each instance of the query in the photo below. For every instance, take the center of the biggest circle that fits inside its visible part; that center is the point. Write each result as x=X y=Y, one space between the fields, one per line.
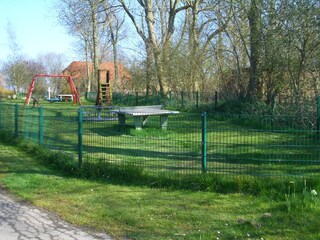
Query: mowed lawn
x=133 y=212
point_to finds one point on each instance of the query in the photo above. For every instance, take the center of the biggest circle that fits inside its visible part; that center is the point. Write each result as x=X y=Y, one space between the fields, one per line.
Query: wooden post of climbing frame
x=108 y=89
x=98 y=100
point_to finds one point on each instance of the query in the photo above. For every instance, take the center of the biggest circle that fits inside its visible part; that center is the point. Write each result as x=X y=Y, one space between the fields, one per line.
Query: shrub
x=5 y=93
x=244 y=107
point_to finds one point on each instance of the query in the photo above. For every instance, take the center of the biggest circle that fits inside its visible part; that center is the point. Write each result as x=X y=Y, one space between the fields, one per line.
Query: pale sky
x=36 y=28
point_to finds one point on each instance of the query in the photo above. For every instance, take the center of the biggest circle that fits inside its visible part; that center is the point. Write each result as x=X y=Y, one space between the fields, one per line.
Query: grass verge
x=141 y=212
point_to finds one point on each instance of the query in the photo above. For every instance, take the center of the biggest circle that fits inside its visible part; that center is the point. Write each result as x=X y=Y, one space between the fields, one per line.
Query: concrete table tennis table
x=141 y=113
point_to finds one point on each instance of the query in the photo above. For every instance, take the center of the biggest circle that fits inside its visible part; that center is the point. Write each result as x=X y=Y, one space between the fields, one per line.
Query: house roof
x=78 y=69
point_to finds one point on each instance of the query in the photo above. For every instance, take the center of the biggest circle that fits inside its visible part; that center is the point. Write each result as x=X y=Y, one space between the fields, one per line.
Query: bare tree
x=2 y=81
x=113 y=21
x=73 y=17
x=206 y=20
x=154 y=42
x=12 y=67
x=86 y=20
x=255 y=36
x=18 y=74
x=53 y=63
x=302 y=32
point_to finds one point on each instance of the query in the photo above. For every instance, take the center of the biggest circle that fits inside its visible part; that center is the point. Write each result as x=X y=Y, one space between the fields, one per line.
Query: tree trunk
x=254 y=17
x=160 y=73
x=115 y=62
x=115 y=56
x=149 y=71
x=194 y=48
x=95 y=51
x=87 y=68
x=150 y=19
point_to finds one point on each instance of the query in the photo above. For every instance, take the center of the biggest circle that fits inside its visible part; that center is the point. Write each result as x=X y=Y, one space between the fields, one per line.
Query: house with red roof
x=80 y=70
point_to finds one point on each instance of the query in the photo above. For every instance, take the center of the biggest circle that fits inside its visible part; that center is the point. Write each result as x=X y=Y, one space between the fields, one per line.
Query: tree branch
x=126 y=9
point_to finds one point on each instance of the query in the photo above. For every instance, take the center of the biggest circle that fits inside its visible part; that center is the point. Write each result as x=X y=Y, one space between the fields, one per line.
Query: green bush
x=244 y=107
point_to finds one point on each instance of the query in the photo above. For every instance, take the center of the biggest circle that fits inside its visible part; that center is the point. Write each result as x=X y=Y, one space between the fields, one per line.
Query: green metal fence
x=195 y=143
x=285 y=103
x=55 y=128
x=8 y=118
x=179 y=99
x=262 y=145
x=192 y=144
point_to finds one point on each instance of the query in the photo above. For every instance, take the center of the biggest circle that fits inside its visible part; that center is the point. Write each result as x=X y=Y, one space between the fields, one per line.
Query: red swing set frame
x=75 y=95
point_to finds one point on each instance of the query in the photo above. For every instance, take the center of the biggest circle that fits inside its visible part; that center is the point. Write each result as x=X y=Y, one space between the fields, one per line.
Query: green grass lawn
x=149 y=213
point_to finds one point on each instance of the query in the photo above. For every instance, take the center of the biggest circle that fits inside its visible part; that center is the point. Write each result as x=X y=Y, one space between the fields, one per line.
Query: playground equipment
x=104 y=89
x=52 y=99
x=74 y=93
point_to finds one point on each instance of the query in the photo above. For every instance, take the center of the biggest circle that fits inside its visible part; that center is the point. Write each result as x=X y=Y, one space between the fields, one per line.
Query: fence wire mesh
x=262 y=146
x=175 y=150
x=29 y=124
x=7 y=118
x=269 y=145
x=286 y=103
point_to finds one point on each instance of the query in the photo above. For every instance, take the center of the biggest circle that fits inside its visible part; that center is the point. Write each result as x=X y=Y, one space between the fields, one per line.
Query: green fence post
x=80 y=147
x=197 y=99
x=273 y=103
x=40 y=125
x=182 y=99
x=145 y=97
x=1 y=116
x=204 y=142
x=215 y=99
x=318 y=114
x=160 y=97
x=137 y=98
x=16 y=121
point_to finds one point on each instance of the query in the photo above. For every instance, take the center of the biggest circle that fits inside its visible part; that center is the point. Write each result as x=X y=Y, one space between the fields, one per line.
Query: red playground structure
x=74 y=93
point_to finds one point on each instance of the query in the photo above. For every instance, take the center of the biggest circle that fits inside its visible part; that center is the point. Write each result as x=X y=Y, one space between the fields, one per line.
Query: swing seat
x=51 y=100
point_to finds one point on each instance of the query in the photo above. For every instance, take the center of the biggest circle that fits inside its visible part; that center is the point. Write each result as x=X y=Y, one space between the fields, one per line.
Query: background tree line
x=244 y=49
x=247 y=49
